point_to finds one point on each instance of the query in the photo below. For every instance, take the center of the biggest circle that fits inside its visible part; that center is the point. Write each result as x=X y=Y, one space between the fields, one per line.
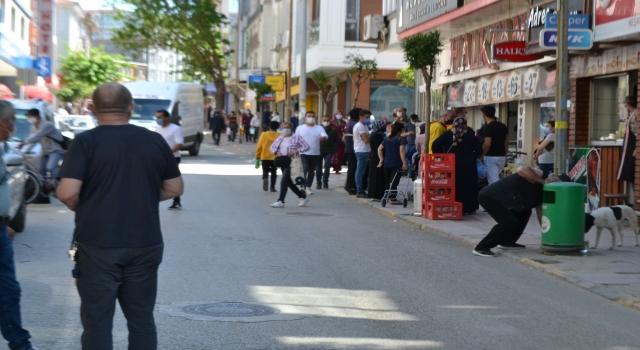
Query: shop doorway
x=512 y=123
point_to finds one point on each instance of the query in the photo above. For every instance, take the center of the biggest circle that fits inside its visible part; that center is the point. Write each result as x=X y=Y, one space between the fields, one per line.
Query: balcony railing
x=314 y=33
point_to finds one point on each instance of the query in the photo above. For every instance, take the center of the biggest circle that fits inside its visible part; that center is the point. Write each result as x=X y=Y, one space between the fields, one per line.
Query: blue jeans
x=10 y=322
x=547 y=168
x=49 y=163
x=361 y=168
x=320 y=177
x=494 y=166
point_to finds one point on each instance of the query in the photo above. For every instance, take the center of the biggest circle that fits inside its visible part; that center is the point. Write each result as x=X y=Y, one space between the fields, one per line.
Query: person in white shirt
x=173 y=135
x=255 y=125
x=312 y=134
x=275 y=117
x=362 y=150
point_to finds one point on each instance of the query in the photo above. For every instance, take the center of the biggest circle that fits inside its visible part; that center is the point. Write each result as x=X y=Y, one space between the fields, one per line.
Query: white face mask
x=286 y=131
x=339 y=116
x=311 y=121
x=325 y=124
x=32 y=120
x=399 y=114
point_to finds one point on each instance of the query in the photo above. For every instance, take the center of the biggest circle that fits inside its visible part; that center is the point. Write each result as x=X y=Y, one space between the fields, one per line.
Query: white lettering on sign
x=429 y=8
x=497 y=90
x=513 y=85
x=521 y=131
x=530 y=82
x=572 y=39
x=510 y=51
x=483 y=90
x=45 y=28
x=469 y=96
x=538 y=16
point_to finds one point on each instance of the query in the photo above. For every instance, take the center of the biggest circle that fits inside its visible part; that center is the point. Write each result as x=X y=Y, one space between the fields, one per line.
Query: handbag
x=297 y=171
x=252 y=130
x=228 y=131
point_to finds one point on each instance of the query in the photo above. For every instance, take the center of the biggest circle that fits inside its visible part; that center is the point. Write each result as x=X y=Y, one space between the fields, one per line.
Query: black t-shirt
x=515 y=193
x=498 y=133
x=122 y=169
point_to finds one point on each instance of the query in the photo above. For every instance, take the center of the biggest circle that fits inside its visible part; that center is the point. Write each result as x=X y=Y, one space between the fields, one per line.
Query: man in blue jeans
x=10 y=322
x=496 y=144
x=362 y=149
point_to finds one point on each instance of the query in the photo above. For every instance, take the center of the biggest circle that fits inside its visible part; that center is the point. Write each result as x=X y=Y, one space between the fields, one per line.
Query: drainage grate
x=229 y=309
x=304 y=213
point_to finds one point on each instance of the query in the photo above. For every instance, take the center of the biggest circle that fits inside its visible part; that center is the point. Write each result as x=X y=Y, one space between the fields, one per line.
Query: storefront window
x=386 y=95
x=609 y=114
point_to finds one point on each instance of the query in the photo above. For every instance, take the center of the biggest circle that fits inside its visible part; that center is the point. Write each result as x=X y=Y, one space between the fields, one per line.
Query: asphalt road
x=340 y=275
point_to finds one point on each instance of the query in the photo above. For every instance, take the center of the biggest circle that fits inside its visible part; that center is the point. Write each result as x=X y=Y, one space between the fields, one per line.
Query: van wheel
x=18 y=222
x=194 y=150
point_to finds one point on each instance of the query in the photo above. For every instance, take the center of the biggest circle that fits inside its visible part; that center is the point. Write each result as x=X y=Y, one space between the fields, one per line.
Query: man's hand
x=11 y=233
x=404 y=166
x=20 y=145
x=552 y=179
x=381 y=163
x=322 y=138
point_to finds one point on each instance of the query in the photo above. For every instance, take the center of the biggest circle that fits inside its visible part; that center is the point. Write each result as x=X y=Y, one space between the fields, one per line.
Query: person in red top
x=246 y=121
x=339 y=124
x=232 y=123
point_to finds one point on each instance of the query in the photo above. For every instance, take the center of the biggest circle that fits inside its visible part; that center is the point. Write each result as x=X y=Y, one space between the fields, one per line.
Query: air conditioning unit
x=373 y=25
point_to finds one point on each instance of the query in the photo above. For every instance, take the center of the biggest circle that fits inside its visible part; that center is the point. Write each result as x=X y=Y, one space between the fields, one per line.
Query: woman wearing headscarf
x=338 y=158
x=377 y=182
x=462 y=142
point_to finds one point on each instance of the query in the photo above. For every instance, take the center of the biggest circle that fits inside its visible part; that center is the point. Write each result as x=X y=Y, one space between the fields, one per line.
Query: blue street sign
x=578 y=39
x=42 y=65
x=575 y=21
x=256 y=79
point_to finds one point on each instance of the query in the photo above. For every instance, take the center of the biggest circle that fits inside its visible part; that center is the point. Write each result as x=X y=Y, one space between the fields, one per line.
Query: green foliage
x=82 y=73
x=407 y=77
x=261 y=89
x=191 y=28
x=328 y=86
x=360 y=68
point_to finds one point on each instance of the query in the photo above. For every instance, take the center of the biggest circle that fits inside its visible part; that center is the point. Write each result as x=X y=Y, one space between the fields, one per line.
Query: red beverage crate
x=442 y=210
x=439 y=161
x=439 y=194
x=439 y=178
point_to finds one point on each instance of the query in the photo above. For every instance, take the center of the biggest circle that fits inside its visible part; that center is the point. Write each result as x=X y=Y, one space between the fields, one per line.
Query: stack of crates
x=439 y=187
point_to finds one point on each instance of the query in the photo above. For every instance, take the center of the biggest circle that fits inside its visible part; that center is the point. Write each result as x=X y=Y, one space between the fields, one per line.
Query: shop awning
x=5 y=93
x=34 y=91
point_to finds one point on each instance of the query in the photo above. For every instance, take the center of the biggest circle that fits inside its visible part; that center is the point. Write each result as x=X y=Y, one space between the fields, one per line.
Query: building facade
x=15 y=51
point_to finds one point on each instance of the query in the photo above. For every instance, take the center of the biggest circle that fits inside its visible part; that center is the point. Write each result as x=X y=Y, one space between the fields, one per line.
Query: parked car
x=75 y=124
x=17 y=180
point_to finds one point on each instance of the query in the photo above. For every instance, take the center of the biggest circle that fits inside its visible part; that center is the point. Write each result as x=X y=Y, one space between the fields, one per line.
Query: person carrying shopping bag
x=287 y=148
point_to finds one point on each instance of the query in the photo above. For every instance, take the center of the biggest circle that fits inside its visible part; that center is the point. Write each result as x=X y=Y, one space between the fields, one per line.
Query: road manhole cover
x=229 y=309
x=302 y=213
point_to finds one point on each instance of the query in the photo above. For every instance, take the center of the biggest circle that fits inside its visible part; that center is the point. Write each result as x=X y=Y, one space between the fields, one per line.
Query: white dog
x=612 y=218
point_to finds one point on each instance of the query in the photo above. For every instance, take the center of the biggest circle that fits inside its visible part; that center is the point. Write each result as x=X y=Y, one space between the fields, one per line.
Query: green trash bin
x=563 y=217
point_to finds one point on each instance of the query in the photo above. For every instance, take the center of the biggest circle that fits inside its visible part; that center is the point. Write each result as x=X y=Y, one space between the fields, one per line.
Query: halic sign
x=512 y=51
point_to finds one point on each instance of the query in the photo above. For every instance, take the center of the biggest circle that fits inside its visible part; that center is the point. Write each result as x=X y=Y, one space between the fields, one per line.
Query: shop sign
x=607 y=62
x=256 y=79
x=45 y=28
x=414 y=12
x=275 y=81
x=512 y=51
x=575 y=21
x=615 y=19
x=578 y=39
x=473 y=50
x=14 y=54
x=538 y=19
x=42 y=66
x=523 y=83
x=268 y=97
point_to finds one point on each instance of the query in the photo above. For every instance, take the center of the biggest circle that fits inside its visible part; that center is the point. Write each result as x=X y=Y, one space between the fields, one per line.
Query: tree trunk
x=220 y=92
x=355 y=100
x=427 y=110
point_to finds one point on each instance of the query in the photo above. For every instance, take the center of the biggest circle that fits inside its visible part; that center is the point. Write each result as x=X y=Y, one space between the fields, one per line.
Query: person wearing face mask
x=439 y=127
x=50 y=139
x=173 y=135
x=401 y=115
x=285 y=147
x=312 y=134
x=544 y=155
x=339 y=124
x=362 y=150
x=295 y=120
x=328 y=148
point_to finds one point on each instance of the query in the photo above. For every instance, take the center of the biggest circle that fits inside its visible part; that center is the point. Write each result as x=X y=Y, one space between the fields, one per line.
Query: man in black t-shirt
x=113 y=177
x=496 y=144
x=509 y=202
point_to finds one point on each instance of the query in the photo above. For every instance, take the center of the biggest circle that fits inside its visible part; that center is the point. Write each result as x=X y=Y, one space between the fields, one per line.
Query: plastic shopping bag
x=228 y=131
x=482 y=170
x=252 y=131
x=297 y=171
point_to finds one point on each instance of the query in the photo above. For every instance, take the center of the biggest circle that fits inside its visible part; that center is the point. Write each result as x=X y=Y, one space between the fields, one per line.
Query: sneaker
x=325 y=185
x=33 y=347
x=512 y=246
x=361 y=195
x=265 y=184
x=318 y=187
x=277 y=204
x=175 y=206
x=486 y=253
x=273 y=189
x=303 y=202
x=308 y=191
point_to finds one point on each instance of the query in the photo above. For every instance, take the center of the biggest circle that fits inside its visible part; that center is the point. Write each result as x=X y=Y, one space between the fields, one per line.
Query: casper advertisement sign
x=616 y=18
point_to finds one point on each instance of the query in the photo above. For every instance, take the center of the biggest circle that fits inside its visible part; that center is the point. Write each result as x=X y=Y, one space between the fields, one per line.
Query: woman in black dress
x=377 y=181
x=462 y=142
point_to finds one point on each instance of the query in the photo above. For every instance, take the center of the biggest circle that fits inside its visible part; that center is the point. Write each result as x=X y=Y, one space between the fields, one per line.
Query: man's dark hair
x=164 y=112
x=355 y=113
x=364 y=112
x=111 y=98
x=404 y=109
x=631 y=101
x=34 y=112
x=274 y=125
x=414 y=117
x=552 y=123
x=312 y=112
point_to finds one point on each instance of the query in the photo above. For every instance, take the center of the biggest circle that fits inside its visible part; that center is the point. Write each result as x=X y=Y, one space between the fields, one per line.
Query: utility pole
x=303 y=60
x=562 y=89
x=237 y=58
x=287 y=107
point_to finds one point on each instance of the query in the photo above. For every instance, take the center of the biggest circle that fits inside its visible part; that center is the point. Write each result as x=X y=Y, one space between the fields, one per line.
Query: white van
x=184 y=101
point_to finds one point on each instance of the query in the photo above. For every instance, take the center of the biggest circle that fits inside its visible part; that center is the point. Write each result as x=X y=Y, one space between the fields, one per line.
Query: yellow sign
x=276 y=82
x=562 y=125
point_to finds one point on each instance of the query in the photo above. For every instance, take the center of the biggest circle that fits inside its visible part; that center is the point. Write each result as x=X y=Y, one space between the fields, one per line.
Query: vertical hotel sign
x=45 y=27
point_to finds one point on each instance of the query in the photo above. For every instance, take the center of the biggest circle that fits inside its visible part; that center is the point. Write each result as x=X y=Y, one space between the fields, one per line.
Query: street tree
x=407 y=77
x=328 y=86
x=191 y=28
x=359 y=71
x=260 y=89
x=82 y=72
x=421 y=52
